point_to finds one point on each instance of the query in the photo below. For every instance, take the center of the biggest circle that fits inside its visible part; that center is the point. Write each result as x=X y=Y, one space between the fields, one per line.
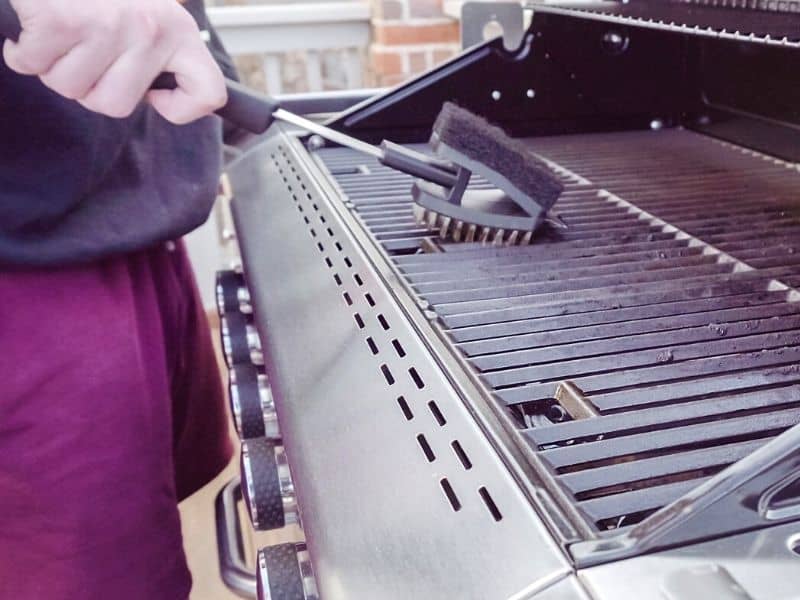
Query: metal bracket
x=508 y=17
x=758 y=491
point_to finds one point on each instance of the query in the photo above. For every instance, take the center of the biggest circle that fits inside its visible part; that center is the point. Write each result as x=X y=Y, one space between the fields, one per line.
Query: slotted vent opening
x=450 y=494
x=437 y=413
x=400 y=353
x=407 y=413
x=490 y=504
x=461 y=454
x=426 y=448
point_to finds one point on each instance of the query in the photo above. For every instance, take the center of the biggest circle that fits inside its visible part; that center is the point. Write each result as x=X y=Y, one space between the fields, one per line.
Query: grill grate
x=649 y=345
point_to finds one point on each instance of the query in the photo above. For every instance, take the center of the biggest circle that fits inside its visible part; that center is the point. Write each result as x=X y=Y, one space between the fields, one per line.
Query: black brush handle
x=245 y=108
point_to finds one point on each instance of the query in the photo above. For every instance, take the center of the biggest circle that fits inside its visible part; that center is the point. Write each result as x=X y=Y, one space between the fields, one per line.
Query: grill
x=466 y=420
x=647 y=342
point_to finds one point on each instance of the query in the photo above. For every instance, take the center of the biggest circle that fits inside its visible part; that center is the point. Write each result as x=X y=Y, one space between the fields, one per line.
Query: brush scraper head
x=526 y=187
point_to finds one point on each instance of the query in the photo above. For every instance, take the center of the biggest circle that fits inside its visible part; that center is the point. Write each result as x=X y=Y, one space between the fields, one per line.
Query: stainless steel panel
x=569 y=588
x=761 y=562
x=370 y=421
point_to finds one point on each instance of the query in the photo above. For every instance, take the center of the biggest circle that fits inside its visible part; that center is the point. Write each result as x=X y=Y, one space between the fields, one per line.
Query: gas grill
x=608 y=412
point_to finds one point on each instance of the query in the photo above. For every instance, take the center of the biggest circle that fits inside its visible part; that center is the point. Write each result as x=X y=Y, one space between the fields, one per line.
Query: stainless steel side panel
x=761 y=563
x=390 y=506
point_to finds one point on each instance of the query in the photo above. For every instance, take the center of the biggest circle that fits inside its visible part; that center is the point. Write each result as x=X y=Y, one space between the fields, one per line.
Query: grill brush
x=526 y=187
x=464 y=143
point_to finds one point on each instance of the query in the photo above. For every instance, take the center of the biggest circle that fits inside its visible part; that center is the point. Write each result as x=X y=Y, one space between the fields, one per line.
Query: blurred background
x=292 y=46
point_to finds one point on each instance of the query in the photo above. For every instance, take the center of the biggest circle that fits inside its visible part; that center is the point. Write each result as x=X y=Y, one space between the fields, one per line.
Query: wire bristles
x=461 y=231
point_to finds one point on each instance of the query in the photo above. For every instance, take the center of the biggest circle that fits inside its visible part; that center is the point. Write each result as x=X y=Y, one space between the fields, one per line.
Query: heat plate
x=647 y=346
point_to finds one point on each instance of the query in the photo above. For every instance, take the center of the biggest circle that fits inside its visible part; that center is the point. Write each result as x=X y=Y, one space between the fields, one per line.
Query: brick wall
x=409 y=37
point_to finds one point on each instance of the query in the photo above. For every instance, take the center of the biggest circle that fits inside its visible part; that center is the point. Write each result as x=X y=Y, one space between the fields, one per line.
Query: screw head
x=614 y=42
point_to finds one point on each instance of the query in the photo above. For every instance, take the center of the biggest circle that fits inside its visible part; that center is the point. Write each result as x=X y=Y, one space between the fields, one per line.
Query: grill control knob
x=285 y=573
x=240 y=341
x=267 y=485
x=251 y=403
x=232 y=294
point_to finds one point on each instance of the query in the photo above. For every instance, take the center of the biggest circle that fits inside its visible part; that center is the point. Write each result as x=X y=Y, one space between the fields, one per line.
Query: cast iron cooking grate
x=649 y=345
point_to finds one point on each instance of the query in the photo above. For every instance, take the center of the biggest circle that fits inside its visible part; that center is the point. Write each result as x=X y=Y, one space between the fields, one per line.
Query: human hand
x=106 y=53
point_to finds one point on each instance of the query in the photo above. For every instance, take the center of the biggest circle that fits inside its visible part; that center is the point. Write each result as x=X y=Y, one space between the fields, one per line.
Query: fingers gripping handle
x=245 y=108
x=249 y=110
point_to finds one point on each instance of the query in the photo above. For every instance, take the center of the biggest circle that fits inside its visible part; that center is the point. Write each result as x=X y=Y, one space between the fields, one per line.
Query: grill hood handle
x=249 y=110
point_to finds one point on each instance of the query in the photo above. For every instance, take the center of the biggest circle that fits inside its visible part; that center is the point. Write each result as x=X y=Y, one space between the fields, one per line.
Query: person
x=111 y=407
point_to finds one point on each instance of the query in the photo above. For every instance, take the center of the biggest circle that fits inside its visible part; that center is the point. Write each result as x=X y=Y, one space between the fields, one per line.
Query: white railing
x=313 y=28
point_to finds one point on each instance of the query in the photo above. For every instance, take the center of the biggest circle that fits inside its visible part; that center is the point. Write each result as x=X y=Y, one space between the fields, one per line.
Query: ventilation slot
x=489 y=502
x=384 y=323
x=359 y=321
x=437 y=414
x=426 y=448
x=451 y=494
x=405 y=408
x=461 y=454
x=387 y=374
x=347 y=299
x=417 y=379
x=373 y=347
x=358 y=280
x=398 y=347
x=369 y=299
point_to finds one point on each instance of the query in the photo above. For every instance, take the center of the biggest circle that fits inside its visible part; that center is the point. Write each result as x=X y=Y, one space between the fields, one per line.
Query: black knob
x=231 y=292
x=251 y=403
x=240 y=341
x=267 y=485
x=284 y=573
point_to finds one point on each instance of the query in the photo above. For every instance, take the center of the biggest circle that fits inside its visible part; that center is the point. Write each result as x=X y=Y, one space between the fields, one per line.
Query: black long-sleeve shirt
x=76 y=186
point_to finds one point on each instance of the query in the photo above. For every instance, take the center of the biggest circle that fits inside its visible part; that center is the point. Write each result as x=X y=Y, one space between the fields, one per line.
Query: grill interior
x=764 y=21
x=648 y=345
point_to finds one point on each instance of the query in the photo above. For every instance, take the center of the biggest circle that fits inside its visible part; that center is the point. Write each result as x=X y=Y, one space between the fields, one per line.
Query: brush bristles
x=478 y=140
x=461 y=231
